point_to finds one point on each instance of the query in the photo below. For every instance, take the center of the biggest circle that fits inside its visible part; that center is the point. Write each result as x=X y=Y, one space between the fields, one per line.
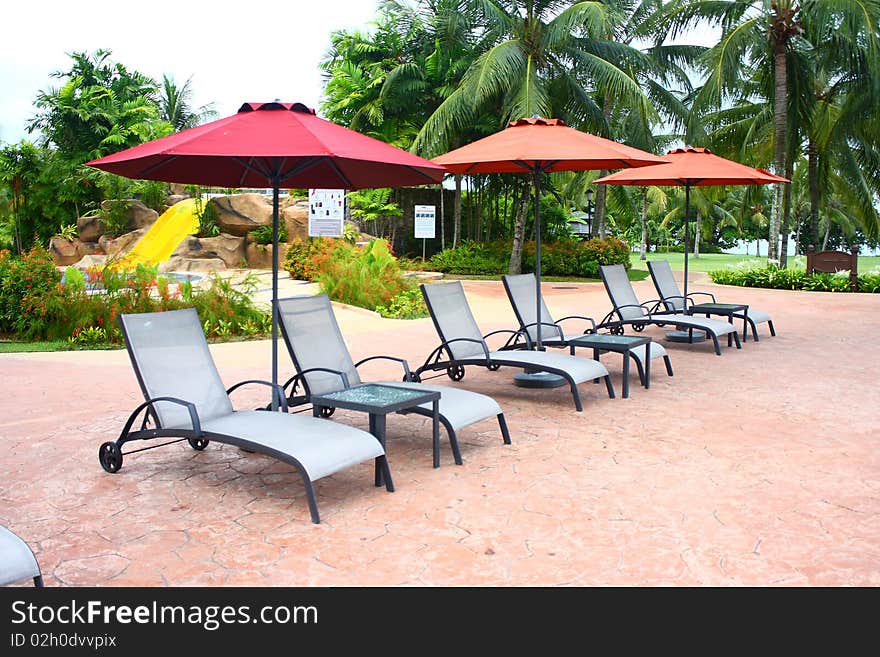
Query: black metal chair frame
x=560 y=341
x=110 y=454
x=299 y=378
x=654 y=316
x=518 y=340
x=688 y=299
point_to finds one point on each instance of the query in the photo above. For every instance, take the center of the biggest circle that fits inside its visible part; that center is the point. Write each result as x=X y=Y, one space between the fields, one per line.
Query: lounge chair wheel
x=638 y=328
x=455 y=372
x=493 y=368
x=198 y=444
x=616 y=330
x=110 y=457
x=327 y=411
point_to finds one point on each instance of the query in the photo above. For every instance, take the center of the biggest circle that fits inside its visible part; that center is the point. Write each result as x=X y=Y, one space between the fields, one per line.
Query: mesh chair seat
x=717 y=326
x=314 y=340
x=579 y=369
x=629 y=310
x=464 y=344
x=171 y=359
x=17 y=562
x=459 y=407
x=670 y=294
x=321 y=447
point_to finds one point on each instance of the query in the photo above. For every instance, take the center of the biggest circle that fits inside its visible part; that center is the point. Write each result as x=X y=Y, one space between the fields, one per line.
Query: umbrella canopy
x=546 y=145
x=538 y=146
x=272 y=145
x=692 y=167
x=277 y=145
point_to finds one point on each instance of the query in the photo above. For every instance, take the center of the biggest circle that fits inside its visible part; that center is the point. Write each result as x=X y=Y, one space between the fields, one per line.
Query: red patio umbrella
x=538 y=146
x=692 y=167
x=277 y=145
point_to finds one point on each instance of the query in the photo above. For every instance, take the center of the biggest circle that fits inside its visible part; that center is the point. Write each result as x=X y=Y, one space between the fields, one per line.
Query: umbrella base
x=685 y=336
x=538 y=380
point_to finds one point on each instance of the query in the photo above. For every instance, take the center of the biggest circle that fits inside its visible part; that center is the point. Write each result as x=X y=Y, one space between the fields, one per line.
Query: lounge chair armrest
x=644 y=306
x=667 y=299
x=295 y=380
x=586 y=319
x=705 y=294
x=402 y=362
x=513 y=339
x=556 y=328
x=277 y=388
x=193 y=413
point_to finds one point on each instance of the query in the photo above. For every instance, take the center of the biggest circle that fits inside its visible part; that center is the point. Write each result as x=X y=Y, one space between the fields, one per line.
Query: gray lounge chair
x=670 y=294
x=628 y=311
x=185 y=398
x=17 y=561
x=521 y=293
x=324 y=365
x=462 y=344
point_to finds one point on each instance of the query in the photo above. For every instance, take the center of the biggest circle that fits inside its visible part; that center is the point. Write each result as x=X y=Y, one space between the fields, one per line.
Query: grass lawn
x=710 y=261
x=47 y=345
x=634 y=275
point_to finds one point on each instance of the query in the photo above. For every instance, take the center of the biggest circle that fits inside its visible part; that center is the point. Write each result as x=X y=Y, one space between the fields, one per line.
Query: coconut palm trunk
x=780 y=122
x=813 y=175
x=456 y=213
x=643 y=249
x=515 y=265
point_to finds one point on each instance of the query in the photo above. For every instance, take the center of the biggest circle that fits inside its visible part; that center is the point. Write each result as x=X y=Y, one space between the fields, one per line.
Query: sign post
x=425 y=218
x=326 y=212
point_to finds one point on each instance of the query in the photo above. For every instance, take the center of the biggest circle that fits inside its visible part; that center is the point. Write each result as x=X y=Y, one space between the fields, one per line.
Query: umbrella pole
x=536 y=176
x=276 y=402
x=687 y=206
x=527 y=378
x=688 y=335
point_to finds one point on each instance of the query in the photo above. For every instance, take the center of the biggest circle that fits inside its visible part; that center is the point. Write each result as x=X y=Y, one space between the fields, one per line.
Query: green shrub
x=115 y=218
x=368 y=276
x=88 y=337
x=305 y=259
x=27 y=287
x=34 y=306
x=772 y=276
x=208 y=226
x=409 y=304
x=473 y=258
x=870 y=281
x=74 y=279
x=568 y=257
x=263 y=234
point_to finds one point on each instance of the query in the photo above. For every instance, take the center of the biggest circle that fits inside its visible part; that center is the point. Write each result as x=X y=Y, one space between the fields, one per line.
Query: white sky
x=235 y=51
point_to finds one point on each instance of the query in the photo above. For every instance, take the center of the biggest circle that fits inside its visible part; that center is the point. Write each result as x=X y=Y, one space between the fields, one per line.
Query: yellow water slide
x=168 y=231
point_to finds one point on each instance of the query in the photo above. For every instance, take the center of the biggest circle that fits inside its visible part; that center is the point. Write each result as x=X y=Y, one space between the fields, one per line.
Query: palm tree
x=175 y=105
x=537 y=58
x=101 y=108
x=765 y=42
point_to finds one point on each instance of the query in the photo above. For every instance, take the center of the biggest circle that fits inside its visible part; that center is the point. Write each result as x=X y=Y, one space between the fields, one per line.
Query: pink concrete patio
x=759 y=467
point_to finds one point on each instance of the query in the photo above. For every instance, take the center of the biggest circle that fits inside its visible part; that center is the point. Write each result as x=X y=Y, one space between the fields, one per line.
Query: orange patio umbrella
x=692 y=167
x=537 y=146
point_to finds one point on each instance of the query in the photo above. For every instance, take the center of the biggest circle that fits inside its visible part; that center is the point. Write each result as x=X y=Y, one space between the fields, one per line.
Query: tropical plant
x=763 y=67
x=100 y=108
x=175 y=105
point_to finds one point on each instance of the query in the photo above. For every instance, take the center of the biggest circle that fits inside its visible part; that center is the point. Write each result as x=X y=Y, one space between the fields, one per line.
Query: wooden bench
x=834 y=261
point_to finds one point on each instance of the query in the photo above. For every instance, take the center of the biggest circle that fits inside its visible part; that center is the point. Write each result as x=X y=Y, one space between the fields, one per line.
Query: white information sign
x=425 y=216
x=326 y=212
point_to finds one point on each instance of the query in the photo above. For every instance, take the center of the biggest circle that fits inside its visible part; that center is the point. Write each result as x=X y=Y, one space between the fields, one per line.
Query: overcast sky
x=235 y=52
